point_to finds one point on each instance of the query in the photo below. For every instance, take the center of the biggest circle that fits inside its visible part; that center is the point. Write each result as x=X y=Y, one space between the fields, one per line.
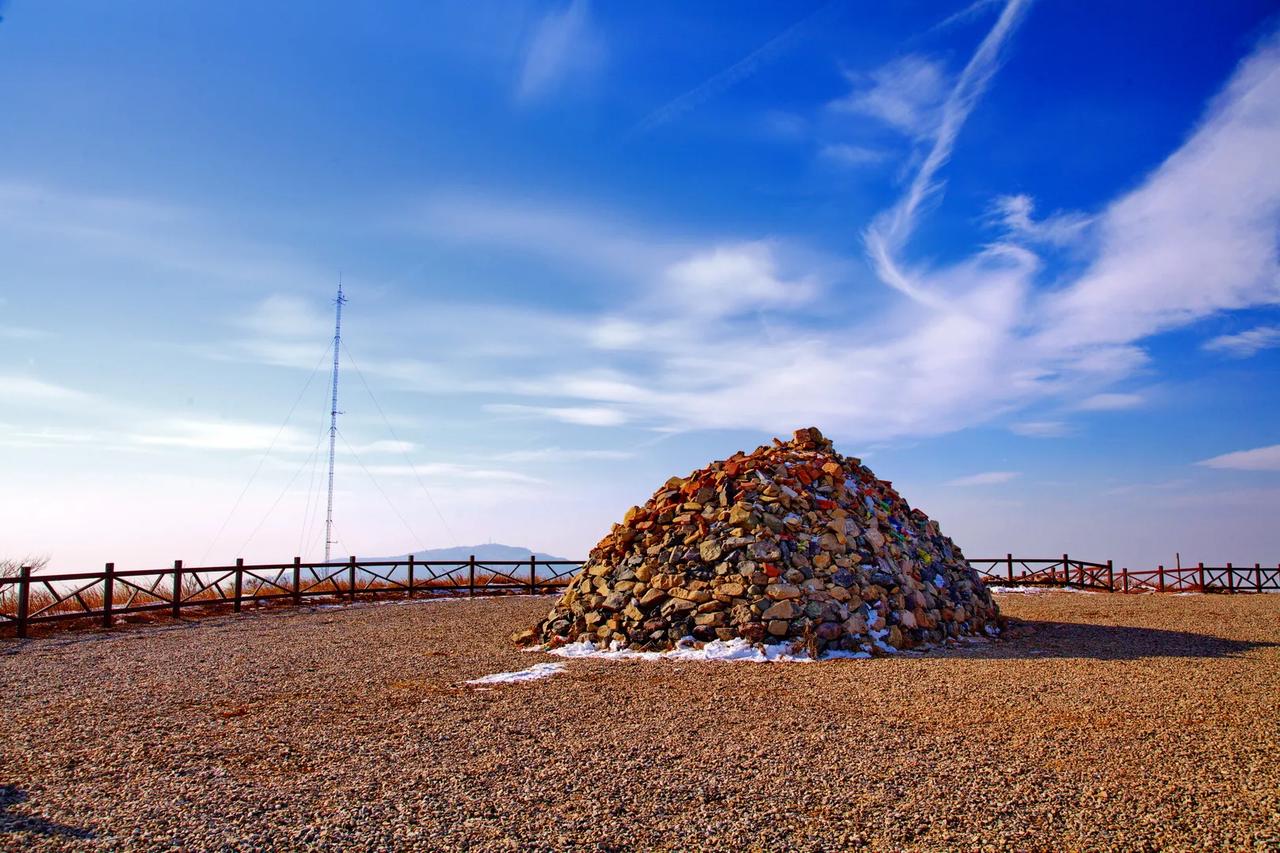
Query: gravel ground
x=1123 y=722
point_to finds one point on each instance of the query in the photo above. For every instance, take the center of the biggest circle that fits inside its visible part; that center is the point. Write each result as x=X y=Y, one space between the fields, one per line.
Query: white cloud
x=37 y=390
x=223 y=435
x=986 y=478
x=851 y=156
x=282 y=315
x=559 y=454
x=563 y=44
x=1014 y=214
x=727 y=280
x=1041 y=429
x=144 y=236
x=979 y=340
x=906 y=94
x=890 y=231
x=1110 y=402
x=1247 y=343
x=1258 y=459
x=22 y=333
x=735 y=73
x=581 y=415
x=1198 y=236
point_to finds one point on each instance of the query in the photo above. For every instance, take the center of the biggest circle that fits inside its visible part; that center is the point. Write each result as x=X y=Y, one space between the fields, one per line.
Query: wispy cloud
x=907 y=95
x=1041 y=429
x=598 y=416
x=736 y=73
x=981 y=342
x=1198 y=236
x=890 y=231
x=851 y=156
x=284 y=315
x=1014 y=213
x=1110 y=402
x=1258 y=459
x=223 y=435
x=1247 y=343
x=22 y=333
x=558 y=455
x=562 y=44
x=146 y=234
x=37 y=390
x=986 y=478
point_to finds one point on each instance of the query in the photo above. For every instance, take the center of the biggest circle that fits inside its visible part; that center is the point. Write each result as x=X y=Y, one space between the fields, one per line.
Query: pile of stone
x=793 y=543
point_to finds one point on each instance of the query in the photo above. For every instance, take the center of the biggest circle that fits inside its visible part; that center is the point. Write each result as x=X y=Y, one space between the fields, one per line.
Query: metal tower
x=333 y=419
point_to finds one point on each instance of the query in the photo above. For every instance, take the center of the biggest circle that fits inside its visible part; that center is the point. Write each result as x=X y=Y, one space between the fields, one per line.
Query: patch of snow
x=736 y=649
x=1037 y=590
x=538 y=670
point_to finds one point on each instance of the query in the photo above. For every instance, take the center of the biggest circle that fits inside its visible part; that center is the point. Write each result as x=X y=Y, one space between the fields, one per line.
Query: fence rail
x=32 y=599
x=1068 y=571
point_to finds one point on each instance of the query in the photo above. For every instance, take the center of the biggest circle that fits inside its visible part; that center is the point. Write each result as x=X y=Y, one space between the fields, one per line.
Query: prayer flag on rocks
x=792 y=543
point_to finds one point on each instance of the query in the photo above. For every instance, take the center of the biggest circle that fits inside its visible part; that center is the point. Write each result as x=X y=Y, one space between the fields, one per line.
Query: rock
x=527 y=637
x=828 y=631
x=844 y=578
x=781 y=610
x=652 y=596
x=779 y=591
x=791 y=541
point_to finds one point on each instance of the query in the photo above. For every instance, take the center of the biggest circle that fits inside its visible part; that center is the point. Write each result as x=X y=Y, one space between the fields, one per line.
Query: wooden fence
x=35 y=599
x=1066 y=571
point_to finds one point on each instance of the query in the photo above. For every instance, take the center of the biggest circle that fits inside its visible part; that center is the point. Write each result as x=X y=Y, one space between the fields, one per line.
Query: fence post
x=1008 y=561
x=297 y=580
x=1124 y=578
x=1257 y=576
x=351 y=576
x=24 y=600
x=1200 y=570
x=177 y=588
x=1160 y=577
x=471 y=584
x=1111 y=577
x=1066 y=569
x=411 y=576
x=239 y=576
x=108 y=593
x=533 y=574
x=1230 y=585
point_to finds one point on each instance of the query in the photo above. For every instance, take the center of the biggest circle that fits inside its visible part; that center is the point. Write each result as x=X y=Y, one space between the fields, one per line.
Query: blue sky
x=1021 y=257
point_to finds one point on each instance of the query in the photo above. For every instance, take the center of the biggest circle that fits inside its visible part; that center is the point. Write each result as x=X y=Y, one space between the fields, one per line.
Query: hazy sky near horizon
x=1021 y=257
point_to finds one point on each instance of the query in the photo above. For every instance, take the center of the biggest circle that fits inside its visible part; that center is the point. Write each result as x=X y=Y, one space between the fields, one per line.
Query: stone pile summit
x=792 y=543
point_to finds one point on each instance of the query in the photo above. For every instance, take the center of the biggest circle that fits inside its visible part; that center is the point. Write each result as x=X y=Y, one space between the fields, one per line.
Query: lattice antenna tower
x=333 y=417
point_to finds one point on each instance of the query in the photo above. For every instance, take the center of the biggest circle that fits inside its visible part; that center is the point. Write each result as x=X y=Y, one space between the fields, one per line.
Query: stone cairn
x=793 y=543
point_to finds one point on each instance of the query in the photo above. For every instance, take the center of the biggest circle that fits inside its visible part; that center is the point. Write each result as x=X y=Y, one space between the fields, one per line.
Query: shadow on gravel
x=10 y=795
x=1117 y=642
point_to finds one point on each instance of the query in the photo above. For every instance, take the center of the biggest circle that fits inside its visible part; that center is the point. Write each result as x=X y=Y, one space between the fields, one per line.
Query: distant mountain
x=491 y=551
